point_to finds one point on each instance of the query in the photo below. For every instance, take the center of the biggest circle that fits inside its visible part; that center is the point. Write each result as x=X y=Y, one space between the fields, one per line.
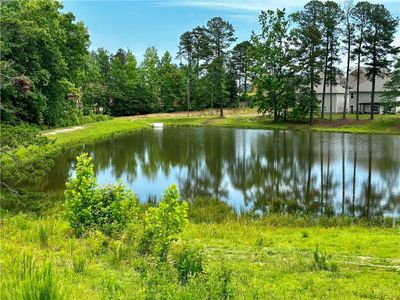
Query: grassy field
x=239 y=118
x=266 y=261
x=274 y=257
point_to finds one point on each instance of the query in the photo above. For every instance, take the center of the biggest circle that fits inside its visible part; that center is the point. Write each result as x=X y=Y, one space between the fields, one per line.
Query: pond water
x=262 y=170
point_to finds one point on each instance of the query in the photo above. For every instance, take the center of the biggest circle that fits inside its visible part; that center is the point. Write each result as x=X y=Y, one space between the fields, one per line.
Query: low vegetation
x=110 y=246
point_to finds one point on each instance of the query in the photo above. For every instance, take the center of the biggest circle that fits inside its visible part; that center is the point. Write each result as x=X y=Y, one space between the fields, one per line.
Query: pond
x=261 y=170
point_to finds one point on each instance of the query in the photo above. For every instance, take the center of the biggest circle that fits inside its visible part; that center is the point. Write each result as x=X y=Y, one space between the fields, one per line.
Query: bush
x=188 y=263
x=108 y=209
x=164 y=222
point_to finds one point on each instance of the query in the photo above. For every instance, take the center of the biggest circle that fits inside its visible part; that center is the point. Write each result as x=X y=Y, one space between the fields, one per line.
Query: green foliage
x=43 y=50
x=272 y=65
x=165 y=222
x=188 y=263
x=392 y=89
x=23 y=135
x=108 y=208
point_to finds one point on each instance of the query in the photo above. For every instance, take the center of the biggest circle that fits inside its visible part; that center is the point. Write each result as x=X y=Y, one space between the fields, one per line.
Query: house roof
x=336 y=89
x=365 y=83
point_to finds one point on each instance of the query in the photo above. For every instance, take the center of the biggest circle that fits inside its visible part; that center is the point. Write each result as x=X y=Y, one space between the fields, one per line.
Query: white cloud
x=243 y=5
x=247 y=5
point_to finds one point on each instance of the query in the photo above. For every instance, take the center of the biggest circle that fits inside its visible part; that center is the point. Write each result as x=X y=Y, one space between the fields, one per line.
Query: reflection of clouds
x=252 y=169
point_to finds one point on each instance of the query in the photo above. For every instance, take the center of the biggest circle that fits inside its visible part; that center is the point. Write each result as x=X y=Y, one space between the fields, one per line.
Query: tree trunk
x=188 y=95
x=373 y=96
x=325 y=71
x=347 y=74
x=374 y=66
x=358 y=81
x=312 y=88
x=331 y=80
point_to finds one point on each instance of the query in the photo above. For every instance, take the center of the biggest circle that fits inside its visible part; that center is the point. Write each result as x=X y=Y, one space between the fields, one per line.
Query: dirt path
x=55 y=131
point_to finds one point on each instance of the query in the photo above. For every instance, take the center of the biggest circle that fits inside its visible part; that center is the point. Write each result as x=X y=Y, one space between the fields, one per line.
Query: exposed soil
x=339 y=122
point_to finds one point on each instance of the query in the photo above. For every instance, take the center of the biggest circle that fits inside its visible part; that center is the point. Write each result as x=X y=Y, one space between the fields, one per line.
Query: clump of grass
x=319 y=260
x=78 y=263
x=188 y=263
x=305 y=234
x=219 y=284
x=260 y=242
x=35 y=283
x=117 y=253
x=43 y=236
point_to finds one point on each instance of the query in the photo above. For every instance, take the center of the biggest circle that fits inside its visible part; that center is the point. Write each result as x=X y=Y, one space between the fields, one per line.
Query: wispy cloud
x=246 y=5
x=232 y=5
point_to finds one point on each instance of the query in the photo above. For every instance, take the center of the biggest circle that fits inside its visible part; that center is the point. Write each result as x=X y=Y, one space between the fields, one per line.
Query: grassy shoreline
x=247 y=119
x=271 y=257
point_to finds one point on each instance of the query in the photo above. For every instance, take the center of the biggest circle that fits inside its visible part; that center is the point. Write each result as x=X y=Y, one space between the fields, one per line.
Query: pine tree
x=348 y=33
x=309 y=54
x=331 y=19
x=220 y=34
x=186 y=50
x=240 y=64
x=361 y=15
x=332 y=15
x=378 y=47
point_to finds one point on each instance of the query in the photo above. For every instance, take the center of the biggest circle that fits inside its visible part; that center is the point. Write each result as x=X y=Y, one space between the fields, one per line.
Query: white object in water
x=158 y=125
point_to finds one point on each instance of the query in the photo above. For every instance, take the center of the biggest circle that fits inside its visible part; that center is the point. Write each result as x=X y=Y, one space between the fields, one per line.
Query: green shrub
x=115 y=209
x=188 y=263
x=21 y=135
x=164 y=222
x=108 y=208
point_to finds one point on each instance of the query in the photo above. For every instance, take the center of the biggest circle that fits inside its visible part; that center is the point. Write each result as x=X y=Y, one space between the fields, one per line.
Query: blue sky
x=136 y=24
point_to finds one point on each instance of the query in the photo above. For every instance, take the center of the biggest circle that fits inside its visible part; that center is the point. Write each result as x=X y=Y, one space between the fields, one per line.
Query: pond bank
x=383 y=124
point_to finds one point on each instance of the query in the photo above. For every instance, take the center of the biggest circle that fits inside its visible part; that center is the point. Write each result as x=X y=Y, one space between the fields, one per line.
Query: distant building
x=365 y=89
x=338 y=93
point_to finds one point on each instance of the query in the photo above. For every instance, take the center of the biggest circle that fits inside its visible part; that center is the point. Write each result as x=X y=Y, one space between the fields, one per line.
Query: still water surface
x=263 y=170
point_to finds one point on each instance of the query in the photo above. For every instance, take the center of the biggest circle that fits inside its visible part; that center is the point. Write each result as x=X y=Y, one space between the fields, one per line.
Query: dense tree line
x=49 y=76
x=289 y=64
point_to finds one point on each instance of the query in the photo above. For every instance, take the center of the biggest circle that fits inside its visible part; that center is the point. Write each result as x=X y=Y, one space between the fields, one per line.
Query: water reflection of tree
x=288 y=170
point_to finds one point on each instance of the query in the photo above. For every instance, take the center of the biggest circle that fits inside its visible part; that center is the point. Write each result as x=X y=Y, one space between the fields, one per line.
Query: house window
x=352 y=109
x=352 y=95
x=376 y=109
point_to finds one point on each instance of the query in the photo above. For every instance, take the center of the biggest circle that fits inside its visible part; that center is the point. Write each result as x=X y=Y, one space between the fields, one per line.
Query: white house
x=338 y=93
